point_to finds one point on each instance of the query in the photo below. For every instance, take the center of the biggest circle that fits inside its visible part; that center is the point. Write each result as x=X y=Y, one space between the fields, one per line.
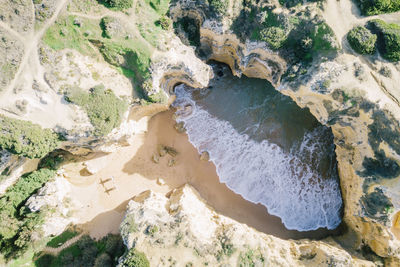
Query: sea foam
x=262 y=172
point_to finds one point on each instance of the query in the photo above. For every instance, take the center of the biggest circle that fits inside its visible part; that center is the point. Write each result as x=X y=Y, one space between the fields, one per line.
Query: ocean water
x=265 y=148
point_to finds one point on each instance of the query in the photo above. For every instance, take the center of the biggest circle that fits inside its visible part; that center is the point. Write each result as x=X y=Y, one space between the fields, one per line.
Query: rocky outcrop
x=344 y=92
x=182 y=228
x=54 y=199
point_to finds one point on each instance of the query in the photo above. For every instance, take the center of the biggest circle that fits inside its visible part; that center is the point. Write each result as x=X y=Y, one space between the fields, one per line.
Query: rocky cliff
x=357 y=96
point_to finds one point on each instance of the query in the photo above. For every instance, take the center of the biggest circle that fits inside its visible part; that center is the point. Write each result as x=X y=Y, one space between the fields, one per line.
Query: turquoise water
x=265 y=148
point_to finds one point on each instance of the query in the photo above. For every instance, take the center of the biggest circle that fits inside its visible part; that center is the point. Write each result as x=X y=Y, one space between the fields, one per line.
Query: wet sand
x=134 y=172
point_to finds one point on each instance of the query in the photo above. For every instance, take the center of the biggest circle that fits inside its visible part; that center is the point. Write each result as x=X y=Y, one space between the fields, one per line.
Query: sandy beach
x=134 y=171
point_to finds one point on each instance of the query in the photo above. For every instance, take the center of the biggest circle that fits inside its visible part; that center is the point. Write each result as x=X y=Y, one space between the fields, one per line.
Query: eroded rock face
x=54 y=198
x=352 y=96
x=184 y=229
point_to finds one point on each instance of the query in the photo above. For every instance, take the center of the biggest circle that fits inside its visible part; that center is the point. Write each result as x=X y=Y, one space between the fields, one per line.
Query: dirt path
x=12 y=31
x=343 y=15
x=31 y=43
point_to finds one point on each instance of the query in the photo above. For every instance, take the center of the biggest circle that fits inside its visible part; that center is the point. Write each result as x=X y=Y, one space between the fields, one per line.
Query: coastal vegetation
x=296 y=37
x=135 y=258
x=388 y=38
x=103 y=107
x=118 y=4
x=362 y=40
x=18 y=223
x=25 y=138
x=375 y=7
x=84 y=252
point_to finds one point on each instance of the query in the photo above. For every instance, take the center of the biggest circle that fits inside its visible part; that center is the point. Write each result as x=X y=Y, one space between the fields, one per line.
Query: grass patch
x=152 y=13
x=103 y=107
x=61 y=239
x=25 y=138
x=65 y=34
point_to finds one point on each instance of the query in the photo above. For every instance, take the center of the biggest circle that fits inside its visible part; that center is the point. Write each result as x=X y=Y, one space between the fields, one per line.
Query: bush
x=274 y=36
x=220 y=7
x=103 y=107
x=362 y=40
x=135 y=258
x=25 y=138
x=119 y=4
x=165 y=23
x=374 y=7
x=388 y=38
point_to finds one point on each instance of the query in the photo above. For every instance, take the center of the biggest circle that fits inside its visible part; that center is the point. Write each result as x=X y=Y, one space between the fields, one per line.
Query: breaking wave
x=289 y=183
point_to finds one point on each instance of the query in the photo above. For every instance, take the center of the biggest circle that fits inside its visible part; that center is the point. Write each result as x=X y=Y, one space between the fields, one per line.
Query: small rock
x=155 y=158
x=77 y=22
x=204 y=156
x=172 y=151
x=180 y=127
x=171 y=162
x=161 y=150
x=160 y=181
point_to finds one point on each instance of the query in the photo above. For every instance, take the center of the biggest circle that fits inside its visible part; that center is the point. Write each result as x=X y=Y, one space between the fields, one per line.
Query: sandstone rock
x=187 y=225
x=180 y=127
x=155 y=158
x=172 y=151
x=204 y=156
x=162 y=151
x=171 y=162
x=160 y=181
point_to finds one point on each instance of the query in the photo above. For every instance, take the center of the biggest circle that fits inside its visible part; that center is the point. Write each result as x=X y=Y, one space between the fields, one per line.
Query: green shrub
x=388 y=38
x=362 y=40
x=374 y=7
x=274 y=36
x=135 y=258
x=119 y=4
x=220 y=7
x=25 y=138
x=103 y=108
x=165 y=23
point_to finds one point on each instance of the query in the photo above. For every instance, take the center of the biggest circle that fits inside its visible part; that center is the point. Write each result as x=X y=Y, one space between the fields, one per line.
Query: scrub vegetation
x=375 y=7
x=117 y=4
x=17 y=223
x=85 y=252
x=388 y=38
x=114 y=38
x=362 y=40
x=296 y=36
x=26 y=139
x=135 y=258
x=103 y=107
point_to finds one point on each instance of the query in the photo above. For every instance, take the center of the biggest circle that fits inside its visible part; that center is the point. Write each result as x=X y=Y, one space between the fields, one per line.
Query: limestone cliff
x=183 y=230
x=342 y=91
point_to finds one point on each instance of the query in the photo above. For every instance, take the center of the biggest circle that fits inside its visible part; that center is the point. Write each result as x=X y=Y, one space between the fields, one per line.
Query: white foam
x=262 y=172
